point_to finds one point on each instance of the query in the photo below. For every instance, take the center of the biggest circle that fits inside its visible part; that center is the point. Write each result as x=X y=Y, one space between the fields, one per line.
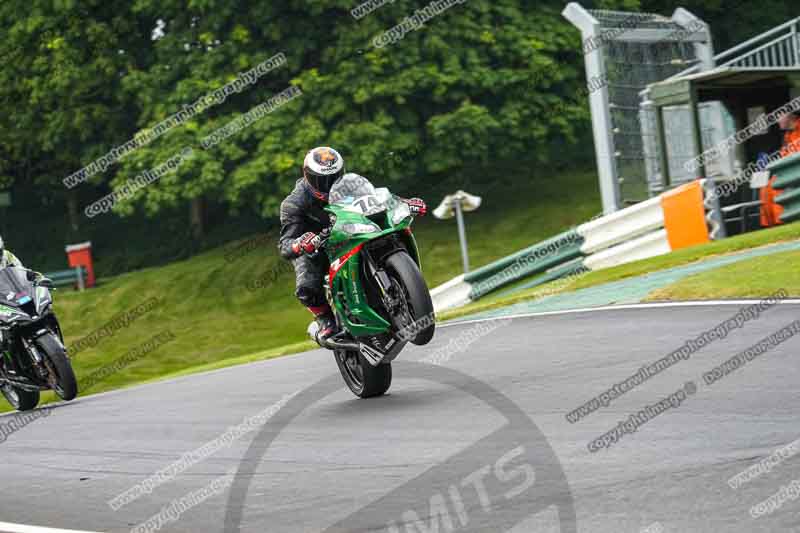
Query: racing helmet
x=321 y=168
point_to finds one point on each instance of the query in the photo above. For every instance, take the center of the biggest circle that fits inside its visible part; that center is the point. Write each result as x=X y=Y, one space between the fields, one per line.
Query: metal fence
x=631 y=51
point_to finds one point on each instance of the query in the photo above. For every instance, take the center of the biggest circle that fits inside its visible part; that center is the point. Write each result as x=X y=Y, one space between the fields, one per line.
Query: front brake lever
x=324 y=236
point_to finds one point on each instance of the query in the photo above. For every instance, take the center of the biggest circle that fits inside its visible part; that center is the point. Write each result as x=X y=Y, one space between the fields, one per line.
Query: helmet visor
x=323 y=183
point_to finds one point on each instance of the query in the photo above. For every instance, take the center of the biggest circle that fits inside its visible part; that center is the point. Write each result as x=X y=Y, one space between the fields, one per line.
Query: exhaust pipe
x=374 y=357
x=330 y=344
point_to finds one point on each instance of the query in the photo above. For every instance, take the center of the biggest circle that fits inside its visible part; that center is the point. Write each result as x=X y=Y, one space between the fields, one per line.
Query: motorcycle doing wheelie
x=374 y=285
x=32 y=353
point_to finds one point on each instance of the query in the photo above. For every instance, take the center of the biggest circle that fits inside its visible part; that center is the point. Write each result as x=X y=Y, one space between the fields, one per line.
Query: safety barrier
x=787 y=171
x=686 y=216
x=74 y=276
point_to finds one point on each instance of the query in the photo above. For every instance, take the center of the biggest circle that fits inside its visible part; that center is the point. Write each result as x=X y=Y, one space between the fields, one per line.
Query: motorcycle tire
x=363 y=379
x=418 y=296
x=20 y=399
x=66 y=385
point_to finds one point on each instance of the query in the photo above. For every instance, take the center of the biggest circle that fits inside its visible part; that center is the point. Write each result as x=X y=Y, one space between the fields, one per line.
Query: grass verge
x=753 y=278
x=789 y=232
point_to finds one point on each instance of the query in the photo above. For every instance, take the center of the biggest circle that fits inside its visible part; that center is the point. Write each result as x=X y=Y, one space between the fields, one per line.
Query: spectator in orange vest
x=770 y=210
x=790 y=123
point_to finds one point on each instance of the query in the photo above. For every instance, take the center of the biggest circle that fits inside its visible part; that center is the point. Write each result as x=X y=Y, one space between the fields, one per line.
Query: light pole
x=456 y=205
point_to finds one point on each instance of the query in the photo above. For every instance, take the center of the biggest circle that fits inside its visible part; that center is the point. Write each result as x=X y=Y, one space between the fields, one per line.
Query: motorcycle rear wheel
x=20 y=399
x=363 y=379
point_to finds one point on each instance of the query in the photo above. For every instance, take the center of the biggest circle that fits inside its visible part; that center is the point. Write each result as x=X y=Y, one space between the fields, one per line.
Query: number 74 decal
x=365 y=204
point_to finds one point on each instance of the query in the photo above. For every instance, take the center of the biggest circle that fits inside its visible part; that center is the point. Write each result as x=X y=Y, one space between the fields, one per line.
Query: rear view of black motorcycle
x=32 y=353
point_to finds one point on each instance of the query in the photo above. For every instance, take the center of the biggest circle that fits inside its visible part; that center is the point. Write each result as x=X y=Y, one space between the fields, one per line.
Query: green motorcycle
x=374 y=285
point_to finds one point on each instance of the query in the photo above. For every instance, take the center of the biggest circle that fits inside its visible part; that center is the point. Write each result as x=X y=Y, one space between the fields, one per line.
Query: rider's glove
x=307 y=243
x=417 y=206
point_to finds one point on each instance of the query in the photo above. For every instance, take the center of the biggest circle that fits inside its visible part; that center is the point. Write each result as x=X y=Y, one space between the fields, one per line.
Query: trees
x=60 y=88
x=473 y=89
x=468 y=87
x=732 y=21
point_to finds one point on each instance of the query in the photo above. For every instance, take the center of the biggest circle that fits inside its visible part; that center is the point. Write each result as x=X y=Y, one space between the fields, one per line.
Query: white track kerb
x=604 y=308
x=7 y=527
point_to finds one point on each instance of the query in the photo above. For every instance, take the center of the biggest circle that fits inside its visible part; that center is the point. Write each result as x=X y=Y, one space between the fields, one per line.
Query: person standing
x=770 y=210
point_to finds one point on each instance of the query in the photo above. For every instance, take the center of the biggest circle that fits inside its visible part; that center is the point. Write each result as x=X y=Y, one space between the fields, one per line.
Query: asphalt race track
x=480 y=446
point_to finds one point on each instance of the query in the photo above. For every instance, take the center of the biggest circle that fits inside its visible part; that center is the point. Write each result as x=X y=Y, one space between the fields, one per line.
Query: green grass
x=789 y=232
x=686 y=256
x=753 y=278
x=217 y=321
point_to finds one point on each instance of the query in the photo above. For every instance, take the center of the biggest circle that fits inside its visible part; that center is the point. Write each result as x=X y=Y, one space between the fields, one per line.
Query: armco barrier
x=539 y=250
x=534 y=260
x=76 y=276
x=571 y=268
x=622 y=225
x=679 y=218
x=650 y=245
x=787 y=171
x=454 y=293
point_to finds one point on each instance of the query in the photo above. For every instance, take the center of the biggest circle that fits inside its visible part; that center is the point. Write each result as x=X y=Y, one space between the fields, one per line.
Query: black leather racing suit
x=301 y=212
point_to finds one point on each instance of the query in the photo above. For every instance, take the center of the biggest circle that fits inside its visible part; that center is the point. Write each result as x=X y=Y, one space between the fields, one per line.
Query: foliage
x=487 y=90
x=60 y=87
x=468 y=87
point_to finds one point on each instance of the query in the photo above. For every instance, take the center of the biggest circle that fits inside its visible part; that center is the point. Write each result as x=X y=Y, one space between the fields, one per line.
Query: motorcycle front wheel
x=62 y=377
x=417 y=296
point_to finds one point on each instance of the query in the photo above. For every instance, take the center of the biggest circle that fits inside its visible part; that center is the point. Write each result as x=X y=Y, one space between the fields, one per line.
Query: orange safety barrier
x=685 y=216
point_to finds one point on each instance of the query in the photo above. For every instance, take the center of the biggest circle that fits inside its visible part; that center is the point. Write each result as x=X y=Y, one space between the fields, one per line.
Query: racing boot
x=325 y=326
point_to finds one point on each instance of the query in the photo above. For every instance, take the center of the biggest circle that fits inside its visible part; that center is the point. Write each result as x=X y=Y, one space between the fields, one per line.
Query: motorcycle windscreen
x=15 y=289
x=355 y=193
